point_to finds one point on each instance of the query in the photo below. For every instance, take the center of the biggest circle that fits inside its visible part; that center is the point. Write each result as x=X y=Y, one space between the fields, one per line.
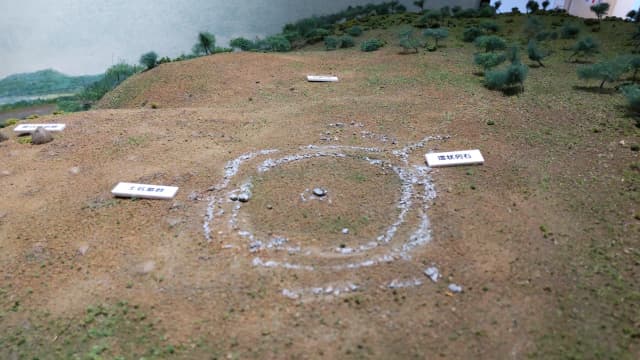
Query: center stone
x=360 y=197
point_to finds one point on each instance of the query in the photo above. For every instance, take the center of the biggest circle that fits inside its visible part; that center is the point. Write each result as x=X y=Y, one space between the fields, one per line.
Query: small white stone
x=455 y=288
x=319 y=192
x=75 y=170
x=345 y=231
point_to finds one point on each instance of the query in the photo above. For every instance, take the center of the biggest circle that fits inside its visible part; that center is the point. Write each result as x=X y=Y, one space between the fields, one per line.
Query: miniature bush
x=205 y=45
x=242 y=44
x=632 y=93
x=408 y=40
x=455 y=11
x=533 y=27
x=569 y=31
x=371 y=45
x=600 y=9
x=436 y=34
x=606 y=71
x=508 y=78
x=429 y=19
x=545 y=5
x=9 y=122
x=535 y=53
x=149 y=60
x=489 y=26
x=355 y=31
x=489 y=60
x=317 y=35
x=515 y=11
x=278 y=43
x=347 y=41
x=585 y=47
x=633 y=15
x=532 y=6
x=490 y=43
x=633 y=64
x=331 y=42
x=445 y=11
x=486 y=11
x=471 y=33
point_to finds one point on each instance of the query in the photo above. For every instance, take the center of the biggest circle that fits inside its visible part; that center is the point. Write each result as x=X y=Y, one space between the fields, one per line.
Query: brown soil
x=504 y=230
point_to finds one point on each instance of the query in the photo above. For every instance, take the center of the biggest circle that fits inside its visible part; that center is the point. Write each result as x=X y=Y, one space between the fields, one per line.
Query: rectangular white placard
x=322 y=78
x=144 y=191
x=455 y=158
x=29 y=128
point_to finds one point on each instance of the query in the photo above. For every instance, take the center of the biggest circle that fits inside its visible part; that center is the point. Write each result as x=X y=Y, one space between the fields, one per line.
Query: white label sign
x=144 y=191
x=455 y=158
x=322 y=78
x=29 y=128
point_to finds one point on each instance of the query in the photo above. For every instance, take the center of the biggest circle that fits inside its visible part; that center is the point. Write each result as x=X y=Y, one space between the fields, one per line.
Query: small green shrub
x=347 y=41
x=242 y=44
x=470 y=34
x=278 y=43
x=371 y=45
x=436 y=35
x=632 y=94
x=508 y=78
x=331 y=43
x=585 y=47
x=535 y=53
x=355 y=31
x=486 y=11
x=408 y=40
x=490 y=43
x=490 y=26
x=532 y=27
x=8 y=122
x=569 y=31
x=149 y=60
x=489 y=60
x=317 y=35
x=606 y=71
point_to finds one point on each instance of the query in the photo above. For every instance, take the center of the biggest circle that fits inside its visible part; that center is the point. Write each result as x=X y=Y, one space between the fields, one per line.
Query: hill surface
x=44 y=82
x=543 y=238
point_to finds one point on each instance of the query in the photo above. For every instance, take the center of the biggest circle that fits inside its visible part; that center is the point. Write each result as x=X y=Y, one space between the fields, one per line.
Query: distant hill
x=44 y=82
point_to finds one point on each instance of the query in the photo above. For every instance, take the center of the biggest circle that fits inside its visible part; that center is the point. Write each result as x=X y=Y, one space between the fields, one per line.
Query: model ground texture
x=544 y=237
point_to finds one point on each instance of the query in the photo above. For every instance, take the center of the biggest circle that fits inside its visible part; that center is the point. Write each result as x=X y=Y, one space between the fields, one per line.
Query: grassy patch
x=118 y=331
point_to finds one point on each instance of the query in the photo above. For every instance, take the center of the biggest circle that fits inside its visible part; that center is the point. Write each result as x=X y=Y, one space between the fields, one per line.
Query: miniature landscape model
x=378 y=183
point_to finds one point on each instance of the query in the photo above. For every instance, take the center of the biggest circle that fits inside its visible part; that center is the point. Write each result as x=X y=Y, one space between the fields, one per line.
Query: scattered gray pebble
x=41 y=136
x=176 y=205
x=269 y=206
x=244 y=197
x=3 y=137
x=319 y=192
x=75 y=170
x=455 y=288
x=432 y=273
x=5 y=173
x=173 y=222
x=82 y=250
x=146 y=267
x=345 y=231
x=193 y=196
x=233 y=197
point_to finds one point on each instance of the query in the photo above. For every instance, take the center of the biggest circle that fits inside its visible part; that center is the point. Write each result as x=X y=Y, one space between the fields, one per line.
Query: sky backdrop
x=87 y=36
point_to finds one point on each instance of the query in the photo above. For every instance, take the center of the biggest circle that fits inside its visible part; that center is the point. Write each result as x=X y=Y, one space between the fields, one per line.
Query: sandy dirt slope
x=68 y=241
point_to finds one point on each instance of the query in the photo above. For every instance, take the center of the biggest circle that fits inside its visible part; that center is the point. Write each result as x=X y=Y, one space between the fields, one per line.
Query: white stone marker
x=144 y=191
x=29 y=128
x=455 y=158
x=322 y=78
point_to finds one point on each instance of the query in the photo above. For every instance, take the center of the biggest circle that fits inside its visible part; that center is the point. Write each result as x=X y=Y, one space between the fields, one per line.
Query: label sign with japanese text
x=455 y=158
x=322 y=78
x=29 y=128
x=144 y=191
